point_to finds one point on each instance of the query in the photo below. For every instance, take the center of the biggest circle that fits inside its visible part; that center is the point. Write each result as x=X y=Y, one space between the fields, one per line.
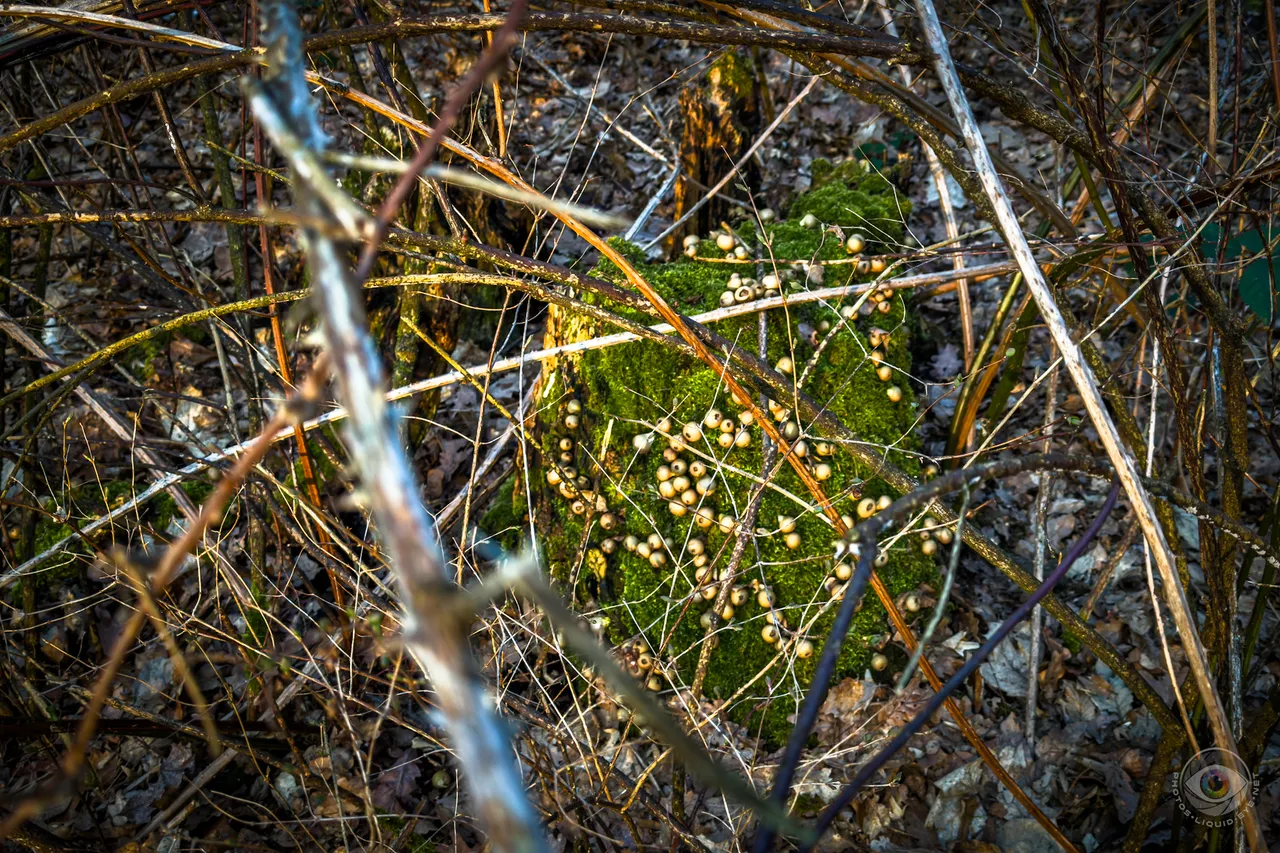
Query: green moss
x=164 y=508
x=505 y=520
x=734 y=74
x=625 y=390
x=391 y=828
x=87 y=502
x=141 y=358
x=852 y=196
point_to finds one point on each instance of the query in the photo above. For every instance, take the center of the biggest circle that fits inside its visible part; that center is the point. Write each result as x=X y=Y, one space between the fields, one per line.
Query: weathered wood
x=721 y=115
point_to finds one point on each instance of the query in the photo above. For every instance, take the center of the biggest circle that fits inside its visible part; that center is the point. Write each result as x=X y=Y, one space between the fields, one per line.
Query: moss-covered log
x=649 y=465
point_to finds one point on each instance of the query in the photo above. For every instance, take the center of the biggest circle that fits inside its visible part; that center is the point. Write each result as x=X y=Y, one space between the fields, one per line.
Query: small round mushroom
x=608 y=521
x=574 y=406
x=677 y=508
x=553 y=477
x=725 y=242
x=884 y=373
x=883 y=502
x=572 y=421
x=895 y=394
x=742 y=439
x=856 y=243
x=713 y=418
x=786 y=523
x=695 y=546
x=727 y=523
x=691 y=432
x=631 y=542
x=929 y=547
x=707 y=619
x=866 y=507
x=881 y=560
x=912 y=603
x=809 y=221
x=725 y=440
x=740 y=252
x=822 y=472
x=765 y=597
x=667 y=489
x=770 y=634
x=843 y=571
x=879 y=662
x=658 y=559
x=727 y=612
x=766 y=214
x=704 y=517
x=692 y=240
x=792 y=540
x=785 y=365
x=738 y=596
x=877 y=265
x=804 y=649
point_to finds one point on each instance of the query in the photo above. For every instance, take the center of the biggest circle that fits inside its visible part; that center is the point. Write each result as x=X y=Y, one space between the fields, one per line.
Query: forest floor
x=365 y=765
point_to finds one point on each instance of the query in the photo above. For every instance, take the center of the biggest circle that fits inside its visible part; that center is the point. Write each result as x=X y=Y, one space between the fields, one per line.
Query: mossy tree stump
x=617 y=465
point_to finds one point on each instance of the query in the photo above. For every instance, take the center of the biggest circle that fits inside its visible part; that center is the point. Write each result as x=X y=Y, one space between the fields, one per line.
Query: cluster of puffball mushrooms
x=689 y=485
x=740 y=289
x=690 y=488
